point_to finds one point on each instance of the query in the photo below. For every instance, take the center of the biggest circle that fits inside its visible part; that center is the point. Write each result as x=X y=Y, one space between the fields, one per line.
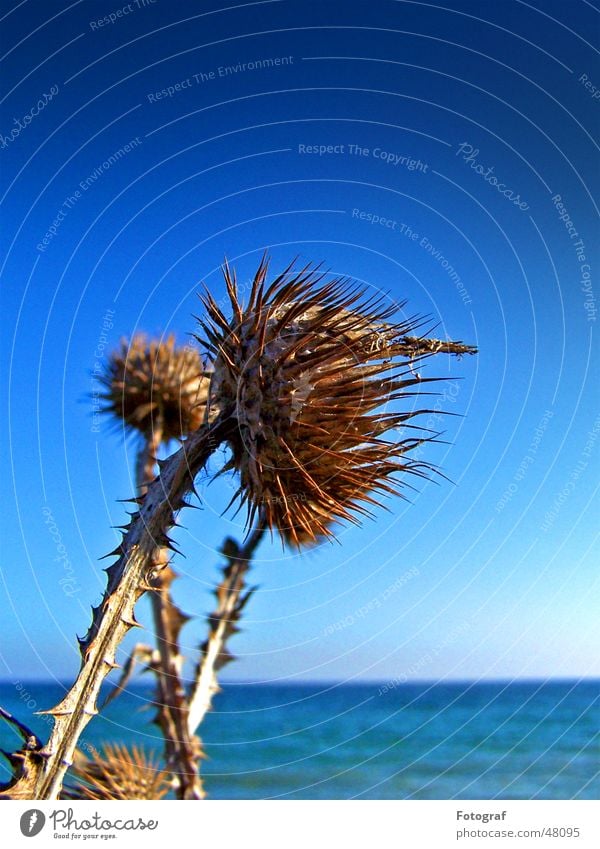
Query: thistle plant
x=118 y=773
x=307 y=379
x=158 y=391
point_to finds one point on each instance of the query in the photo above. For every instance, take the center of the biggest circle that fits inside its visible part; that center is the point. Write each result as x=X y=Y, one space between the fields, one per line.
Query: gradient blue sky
x=498 y=567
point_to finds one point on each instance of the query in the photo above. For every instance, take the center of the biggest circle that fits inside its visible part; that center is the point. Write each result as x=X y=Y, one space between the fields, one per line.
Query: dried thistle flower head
x=306 y=369
x=119 y=773
x=155 y=386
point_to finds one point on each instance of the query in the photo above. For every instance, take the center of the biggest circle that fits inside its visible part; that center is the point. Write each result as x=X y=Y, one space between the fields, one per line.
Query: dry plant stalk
x=42 y=769
x=298 y=364
x=232 y=596
x=18 y=759
x=159 y=391
x=183 y=749
x=148 y=384
x=141 y=653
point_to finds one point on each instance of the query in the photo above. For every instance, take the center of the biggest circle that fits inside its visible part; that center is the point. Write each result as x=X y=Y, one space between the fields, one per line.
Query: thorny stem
x=42 y=769
x=232 y=596
x=182 y=748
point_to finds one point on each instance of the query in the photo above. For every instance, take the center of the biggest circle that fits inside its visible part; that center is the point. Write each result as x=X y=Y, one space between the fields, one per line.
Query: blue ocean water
x=529 y=740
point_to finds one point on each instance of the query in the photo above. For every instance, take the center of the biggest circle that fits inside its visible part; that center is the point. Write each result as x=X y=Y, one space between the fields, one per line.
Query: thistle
x=308 y=371
x=301 y=377
x=118 y=774
x=152 y=385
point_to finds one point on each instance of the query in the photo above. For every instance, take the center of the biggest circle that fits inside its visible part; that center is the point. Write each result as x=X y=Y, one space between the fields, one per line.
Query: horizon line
x=392 y=683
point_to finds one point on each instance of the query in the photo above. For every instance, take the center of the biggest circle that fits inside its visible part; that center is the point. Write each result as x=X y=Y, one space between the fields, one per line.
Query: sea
x=500 y=740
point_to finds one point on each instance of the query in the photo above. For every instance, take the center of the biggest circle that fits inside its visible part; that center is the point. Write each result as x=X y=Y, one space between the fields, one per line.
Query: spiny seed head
x=306 y=369
x=153 y=385
x=119 y=773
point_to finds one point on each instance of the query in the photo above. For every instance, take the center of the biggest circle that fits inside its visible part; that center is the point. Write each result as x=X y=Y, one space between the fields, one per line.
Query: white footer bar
x=303 y=824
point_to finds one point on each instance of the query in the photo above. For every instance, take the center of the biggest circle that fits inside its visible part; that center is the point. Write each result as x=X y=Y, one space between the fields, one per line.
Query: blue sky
x=215 y=131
